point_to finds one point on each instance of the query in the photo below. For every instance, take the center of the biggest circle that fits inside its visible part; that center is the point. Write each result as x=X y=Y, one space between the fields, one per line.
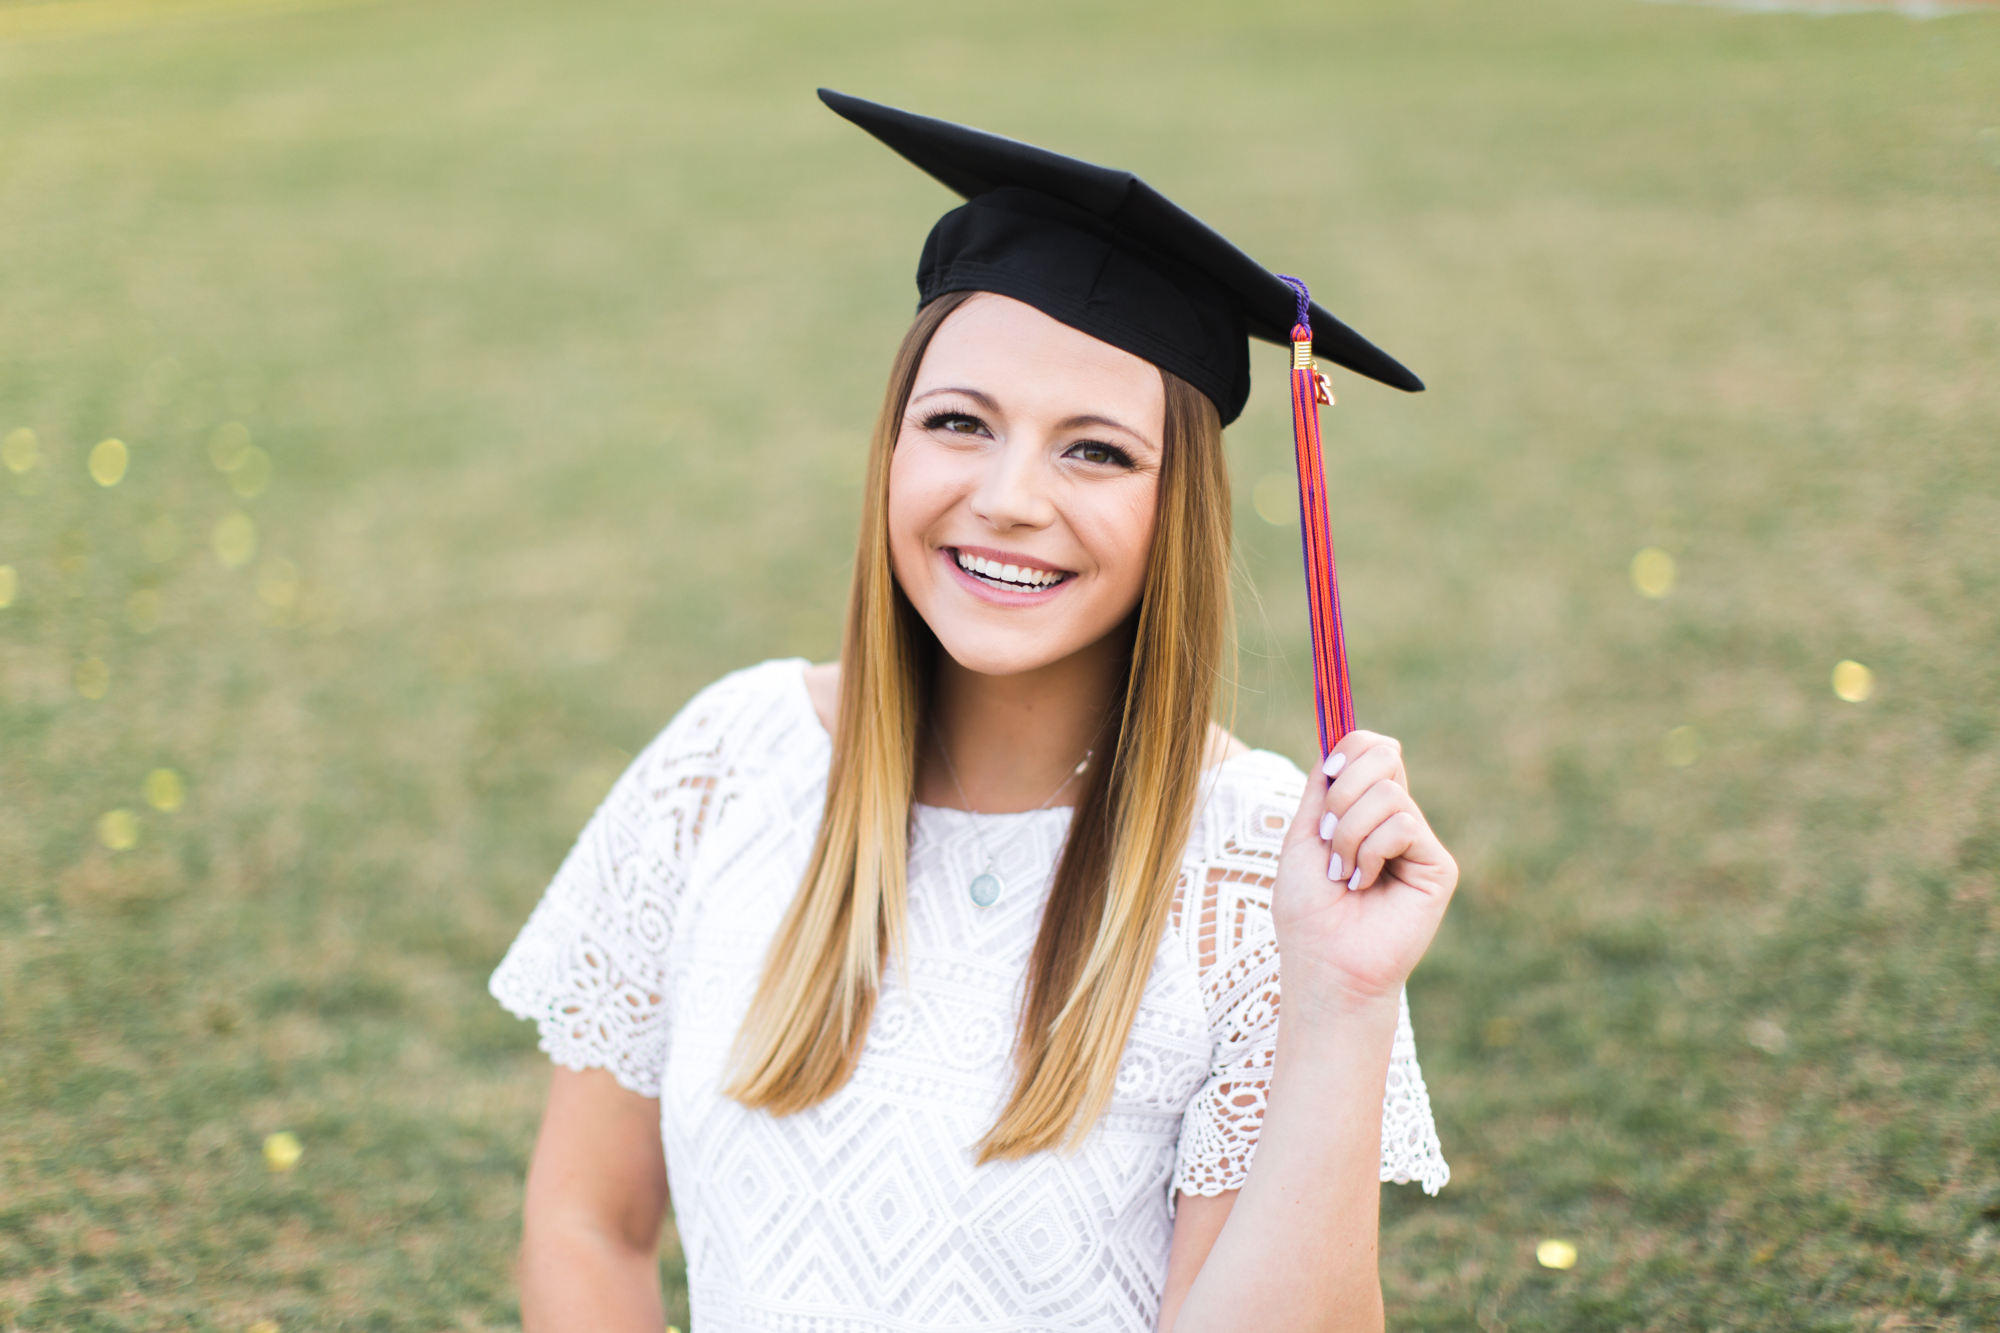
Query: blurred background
x=405 y=406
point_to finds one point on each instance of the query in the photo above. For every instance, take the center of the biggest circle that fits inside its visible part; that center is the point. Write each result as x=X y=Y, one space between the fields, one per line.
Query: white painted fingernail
x=1333 y=867
x=1334 y=763
x=1326 y=823
x=1354 y=883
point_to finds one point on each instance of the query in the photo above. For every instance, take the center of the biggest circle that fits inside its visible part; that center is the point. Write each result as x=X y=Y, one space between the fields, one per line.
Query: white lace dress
x=866 y=1212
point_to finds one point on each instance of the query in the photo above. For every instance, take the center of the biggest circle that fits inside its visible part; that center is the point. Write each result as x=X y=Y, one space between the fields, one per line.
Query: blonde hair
x=1114 y=883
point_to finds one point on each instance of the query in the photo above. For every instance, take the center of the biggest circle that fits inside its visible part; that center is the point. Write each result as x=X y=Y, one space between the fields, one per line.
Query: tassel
x=1333 y=700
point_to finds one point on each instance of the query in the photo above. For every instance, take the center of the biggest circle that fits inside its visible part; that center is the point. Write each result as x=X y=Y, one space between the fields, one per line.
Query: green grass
x=563 y=326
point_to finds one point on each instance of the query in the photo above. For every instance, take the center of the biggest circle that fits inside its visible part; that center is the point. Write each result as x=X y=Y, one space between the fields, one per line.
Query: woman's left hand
x=1356 y=910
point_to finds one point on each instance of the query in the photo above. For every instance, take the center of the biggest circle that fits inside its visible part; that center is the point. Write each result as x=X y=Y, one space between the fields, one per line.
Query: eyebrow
x=1067 y=423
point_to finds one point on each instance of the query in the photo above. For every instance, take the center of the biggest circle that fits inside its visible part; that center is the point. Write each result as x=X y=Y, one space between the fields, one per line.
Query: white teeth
x=1018 y=575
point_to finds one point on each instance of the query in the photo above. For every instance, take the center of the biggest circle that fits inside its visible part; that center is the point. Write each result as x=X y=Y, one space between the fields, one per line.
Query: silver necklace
x=985 y=887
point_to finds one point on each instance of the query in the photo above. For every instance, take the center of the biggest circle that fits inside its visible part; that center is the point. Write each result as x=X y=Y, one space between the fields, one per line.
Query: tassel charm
x=1333 y=700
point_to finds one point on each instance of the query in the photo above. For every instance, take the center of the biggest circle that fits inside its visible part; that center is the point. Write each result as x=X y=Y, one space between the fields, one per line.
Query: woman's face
x=1023 y=486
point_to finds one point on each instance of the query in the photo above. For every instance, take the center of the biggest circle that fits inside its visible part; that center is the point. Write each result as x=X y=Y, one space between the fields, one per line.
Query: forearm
x=1298 y=1251
x=577 y=1278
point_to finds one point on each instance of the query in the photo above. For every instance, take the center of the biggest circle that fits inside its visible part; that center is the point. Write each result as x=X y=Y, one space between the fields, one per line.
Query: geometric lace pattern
x=866 y=1212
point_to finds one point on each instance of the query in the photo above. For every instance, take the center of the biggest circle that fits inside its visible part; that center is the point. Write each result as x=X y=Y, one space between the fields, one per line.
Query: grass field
x=491 y=376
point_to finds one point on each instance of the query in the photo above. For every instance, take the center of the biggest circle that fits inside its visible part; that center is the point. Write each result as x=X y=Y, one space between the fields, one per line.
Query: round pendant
x=985 y=890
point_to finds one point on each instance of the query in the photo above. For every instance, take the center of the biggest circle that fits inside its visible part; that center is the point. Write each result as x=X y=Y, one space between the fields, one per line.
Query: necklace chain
x=985 y=886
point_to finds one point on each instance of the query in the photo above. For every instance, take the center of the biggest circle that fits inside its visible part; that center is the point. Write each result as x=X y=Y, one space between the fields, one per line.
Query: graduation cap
x=1103 y=252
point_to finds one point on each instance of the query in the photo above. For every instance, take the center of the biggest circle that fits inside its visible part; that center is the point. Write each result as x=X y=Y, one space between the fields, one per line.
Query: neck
x=1013 y=740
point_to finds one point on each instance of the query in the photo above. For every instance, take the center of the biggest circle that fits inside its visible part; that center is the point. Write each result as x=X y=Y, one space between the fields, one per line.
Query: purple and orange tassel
x=1333 y=699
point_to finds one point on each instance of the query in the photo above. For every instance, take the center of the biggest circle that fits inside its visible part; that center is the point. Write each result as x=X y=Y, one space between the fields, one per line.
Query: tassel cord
x=1333 y=700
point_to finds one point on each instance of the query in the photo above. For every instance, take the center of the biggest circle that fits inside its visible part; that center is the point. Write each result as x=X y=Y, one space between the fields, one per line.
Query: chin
x=1001 y=654
x=986 y=658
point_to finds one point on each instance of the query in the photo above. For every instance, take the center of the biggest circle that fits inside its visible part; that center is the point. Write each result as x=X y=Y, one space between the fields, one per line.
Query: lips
x=1014 y=576
x=1010 y=576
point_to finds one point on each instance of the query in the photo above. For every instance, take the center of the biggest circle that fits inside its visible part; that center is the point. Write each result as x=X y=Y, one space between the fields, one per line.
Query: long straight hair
x=1114 y=883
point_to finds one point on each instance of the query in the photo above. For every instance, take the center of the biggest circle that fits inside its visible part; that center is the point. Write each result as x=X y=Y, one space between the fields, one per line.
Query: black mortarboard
x=1104 y=252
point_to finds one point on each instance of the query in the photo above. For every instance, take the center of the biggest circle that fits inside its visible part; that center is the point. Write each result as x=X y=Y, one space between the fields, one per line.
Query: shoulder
x=748 y=719
x=1245 y=804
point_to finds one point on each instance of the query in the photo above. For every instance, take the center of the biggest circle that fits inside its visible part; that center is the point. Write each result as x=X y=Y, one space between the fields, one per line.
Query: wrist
x=1338 y=1002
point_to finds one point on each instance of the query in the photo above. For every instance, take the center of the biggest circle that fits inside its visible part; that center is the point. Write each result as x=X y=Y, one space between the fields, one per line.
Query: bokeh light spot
x=251 y=473
x=10 y=586
x=19 y=450
x=227 y=444
x=1853 y=682
x=118 y=829
x=164 y=790
x=1276 y=498
x=1556 y=1254
x=282 y=1150
x=235 y=540
x=93 y=678
x=1681 y=746
x=108 y=462
x=142 y=609
x=278 y=585
x=263 y=1326
x=162 y=539
x=1653 y=572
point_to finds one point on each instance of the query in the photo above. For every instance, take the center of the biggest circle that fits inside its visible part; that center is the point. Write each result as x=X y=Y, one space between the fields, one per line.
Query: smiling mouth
x=1016 y=578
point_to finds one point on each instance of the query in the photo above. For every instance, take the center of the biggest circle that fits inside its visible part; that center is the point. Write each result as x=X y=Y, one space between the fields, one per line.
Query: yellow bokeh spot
x=162 y=539
x=234 y=540
x=282 y=1150
x=93 y=678
x=1681 y=746
x=1653 y=572
x=1556 y=1254
x=263 y=1326
x=118 y=830
x=227 y=444
x=108 y=462
x=164 y=790
x=1275 y=497
x=1853 y=682
x=142 y=609
x=10 y=585
x=250 y=473
x=278 y=585
x=19 y=449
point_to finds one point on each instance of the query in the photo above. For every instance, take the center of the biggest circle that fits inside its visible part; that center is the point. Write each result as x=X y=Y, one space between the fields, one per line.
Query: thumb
x=1312 y=804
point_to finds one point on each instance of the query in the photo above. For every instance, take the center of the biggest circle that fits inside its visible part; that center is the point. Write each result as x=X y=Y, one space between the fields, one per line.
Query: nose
x=1013 y=489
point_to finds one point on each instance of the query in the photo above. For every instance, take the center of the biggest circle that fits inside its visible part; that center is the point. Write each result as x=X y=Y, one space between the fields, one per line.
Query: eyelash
x=1114 y=455
x=938 y=420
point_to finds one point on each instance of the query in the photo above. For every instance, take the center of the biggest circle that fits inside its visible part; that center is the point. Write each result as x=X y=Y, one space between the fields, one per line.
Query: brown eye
x=1090 y=451
x=956 y=423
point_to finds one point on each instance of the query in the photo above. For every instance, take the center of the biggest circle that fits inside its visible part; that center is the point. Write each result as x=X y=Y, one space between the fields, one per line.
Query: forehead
x=1029 y=363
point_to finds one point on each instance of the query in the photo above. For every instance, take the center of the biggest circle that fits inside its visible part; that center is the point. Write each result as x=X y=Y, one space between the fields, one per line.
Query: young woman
x=945 y=978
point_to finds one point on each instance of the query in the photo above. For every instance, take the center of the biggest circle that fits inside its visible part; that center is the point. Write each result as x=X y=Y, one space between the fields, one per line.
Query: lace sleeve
x=1229 y=896
x=590 y=966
